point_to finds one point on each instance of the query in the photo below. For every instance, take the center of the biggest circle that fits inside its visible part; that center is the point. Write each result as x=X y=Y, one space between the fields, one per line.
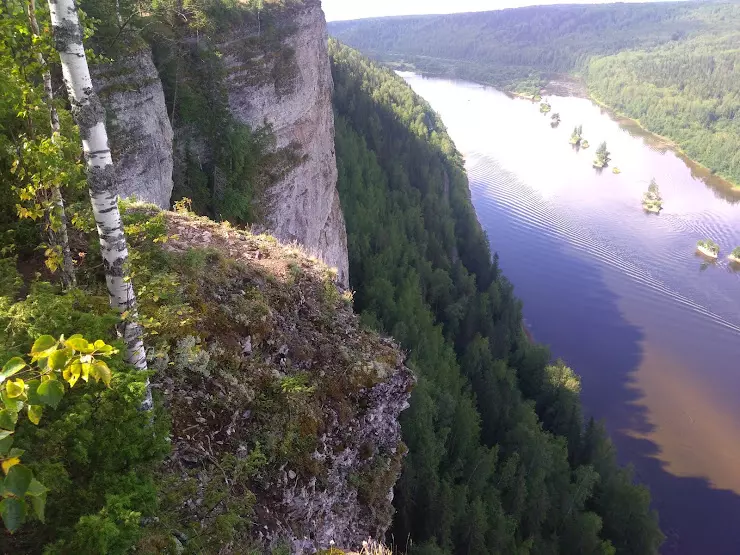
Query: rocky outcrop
x=285 y=408
x=139 y=130
x=292 y=92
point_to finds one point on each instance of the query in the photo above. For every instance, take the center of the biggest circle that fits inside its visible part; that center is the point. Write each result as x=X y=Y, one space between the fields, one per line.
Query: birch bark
x=57 y=234
x=90 y=117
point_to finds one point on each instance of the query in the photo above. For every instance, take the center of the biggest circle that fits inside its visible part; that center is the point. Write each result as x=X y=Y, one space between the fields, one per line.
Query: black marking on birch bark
x=66 y=34
x=88 y=115
x=101 y=179
x=114 y=268
x=108 y=210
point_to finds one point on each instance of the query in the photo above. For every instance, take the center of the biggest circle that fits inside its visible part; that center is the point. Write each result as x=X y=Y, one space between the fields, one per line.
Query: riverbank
x=665 y=141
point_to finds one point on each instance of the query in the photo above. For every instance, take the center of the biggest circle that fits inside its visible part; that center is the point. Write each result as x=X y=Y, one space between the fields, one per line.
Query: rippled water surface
x=621 y=295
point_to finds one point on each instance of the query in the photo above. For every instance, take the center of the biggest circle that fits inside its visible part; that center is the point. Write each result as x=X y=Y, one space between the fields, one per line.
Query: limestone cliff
x=295 y=99
x=138 y=126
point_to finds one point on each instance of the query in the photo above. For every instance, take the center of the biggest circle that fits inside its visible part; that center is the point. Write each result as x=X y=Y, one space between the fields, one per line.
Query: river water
x=652 y=327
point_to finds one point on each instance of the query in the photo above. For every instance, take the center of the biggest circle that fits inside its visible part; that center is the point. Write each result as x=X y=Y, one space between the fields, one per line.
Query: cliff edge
x=285 y=410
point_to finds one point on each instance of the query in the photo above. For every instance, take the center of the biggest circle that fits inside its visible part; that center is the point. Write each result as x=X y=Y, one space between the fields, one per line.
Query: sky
x=355 y=9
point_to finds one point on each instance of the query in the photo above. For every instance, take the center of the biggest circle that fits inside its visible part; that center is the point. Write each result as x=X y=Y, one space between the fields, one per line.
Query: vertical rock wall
x=138 y=126
x=296 y=100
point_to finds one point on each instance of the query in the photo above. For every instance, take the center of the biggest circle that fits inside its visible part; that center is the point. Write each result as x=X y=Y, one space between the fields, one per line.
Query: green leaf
x=8 y=419
x=11 y=368
x=43 y=347
x=43 y=343
x=100 y=371
x=4 y=434
x=50 y=393
x=13 y=512
x=34 y=413
x=39 y=504
x=10 y=404
x=36 y=488
x=5 y=444
x=32 y=392
x=18 y=479
x=78 y=343
x=58 y=359
x=15 y=388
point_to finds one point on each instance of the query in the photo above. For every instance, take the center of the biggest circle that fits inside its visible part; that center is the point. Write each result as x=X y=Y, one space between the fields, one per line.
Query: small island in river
x=735 y=256
x=652 y=201
x=575 y=137
x=616 y=170
x=584 y=143
x=708 y=248
x=602 y=157
x=545 y=107
x=555 y=119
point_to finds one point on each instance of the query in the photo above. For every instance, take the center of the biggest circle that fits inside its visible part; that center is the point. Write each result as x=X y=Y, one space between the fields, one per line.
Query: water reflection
x=653 y=328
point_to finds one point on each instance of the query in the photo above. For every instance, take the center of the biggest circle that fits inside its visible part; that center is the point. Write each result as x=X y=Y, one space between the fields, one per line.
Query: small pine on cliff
x=276 y=423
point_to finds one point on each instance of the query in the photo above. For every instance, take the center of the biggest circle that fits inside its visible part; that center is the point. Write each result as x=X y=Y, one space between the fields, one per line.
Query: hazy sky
x=355 y=9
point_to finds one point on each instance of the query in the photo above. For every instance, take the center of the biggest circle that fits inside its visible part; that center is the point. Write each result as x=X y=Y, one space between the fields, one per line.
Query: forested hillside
x=499 y=459
x=672 y=66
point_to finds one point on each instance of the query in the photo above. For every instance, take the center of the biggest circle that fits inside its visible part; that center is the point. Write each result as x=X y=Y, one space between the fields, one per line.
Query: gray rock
x=139 y=128
x=304 y=206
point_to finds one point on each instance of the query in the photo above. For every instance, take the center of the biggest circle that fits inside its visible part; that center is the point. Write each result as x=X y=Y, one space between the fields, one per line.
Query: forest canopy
x=499 y=458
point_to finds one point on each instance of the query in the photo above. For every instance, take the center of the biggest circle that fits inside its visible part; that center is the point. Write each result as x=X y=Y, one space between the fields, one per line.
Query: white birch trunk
x=57 y=237
x=90 y=117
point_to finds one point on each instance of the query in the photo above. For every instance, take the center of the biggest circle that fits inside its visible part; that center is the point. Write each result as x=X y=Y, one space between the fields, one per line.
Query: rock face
x=290 y=374
x=139 y=130
x=297 y=102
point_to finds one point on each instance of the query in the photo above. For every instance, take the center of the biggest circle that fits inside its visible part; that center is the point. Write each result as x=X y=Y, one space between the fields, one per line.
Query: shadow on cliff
x=577 y=315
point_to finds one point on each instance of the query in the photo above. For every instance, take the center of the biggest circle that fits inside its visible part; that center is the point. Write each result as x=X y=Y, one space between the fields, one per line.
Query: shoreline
x=669 y=143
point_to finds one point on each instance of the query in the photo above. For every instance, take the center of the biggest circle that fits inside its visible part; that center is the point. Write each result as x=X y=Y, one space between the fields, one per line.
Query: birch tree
x=56 y=216
x=90 y=117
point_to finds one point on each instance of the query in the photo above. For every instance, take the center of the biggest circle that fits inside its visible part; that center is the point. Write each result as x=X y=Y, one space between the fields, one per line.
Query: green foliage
x=686 y=91
x=33 y=385
x=602 y=156
x=32 y=161
x=735 y=253
x=494 y=432
x=651 y=200
x=671 y=66
x=95 y=451
x=518 y=49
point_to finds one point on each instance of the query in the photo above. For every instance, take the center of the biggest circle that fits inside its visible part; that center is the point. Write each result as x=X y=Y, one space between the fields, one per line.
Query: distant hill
x=675 y=66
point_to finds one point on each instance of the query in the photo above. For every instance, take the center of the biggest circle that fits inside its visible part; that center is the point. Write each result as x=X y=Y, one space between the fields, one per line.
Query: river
x=621 y=295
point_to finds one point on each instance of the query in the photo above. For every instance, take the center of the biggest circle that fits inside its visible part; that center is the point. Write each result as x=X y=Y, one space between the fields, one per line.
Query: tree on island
x=602 y=156
x=735 y=255
x=707 y=246
x=651 y=200
x=575 y=137
x=545 y=107
x=653 y=188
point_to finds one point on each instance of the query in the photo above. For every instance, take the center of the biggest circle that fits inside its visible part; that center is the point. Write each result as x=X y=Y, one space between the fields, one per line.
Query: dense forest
x=672 y=66
x=499 y=458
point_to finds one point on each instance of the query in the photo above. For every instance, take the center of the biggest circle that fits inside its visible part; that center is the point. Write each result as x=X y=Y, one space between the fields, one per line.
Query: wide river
x=652 y=327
